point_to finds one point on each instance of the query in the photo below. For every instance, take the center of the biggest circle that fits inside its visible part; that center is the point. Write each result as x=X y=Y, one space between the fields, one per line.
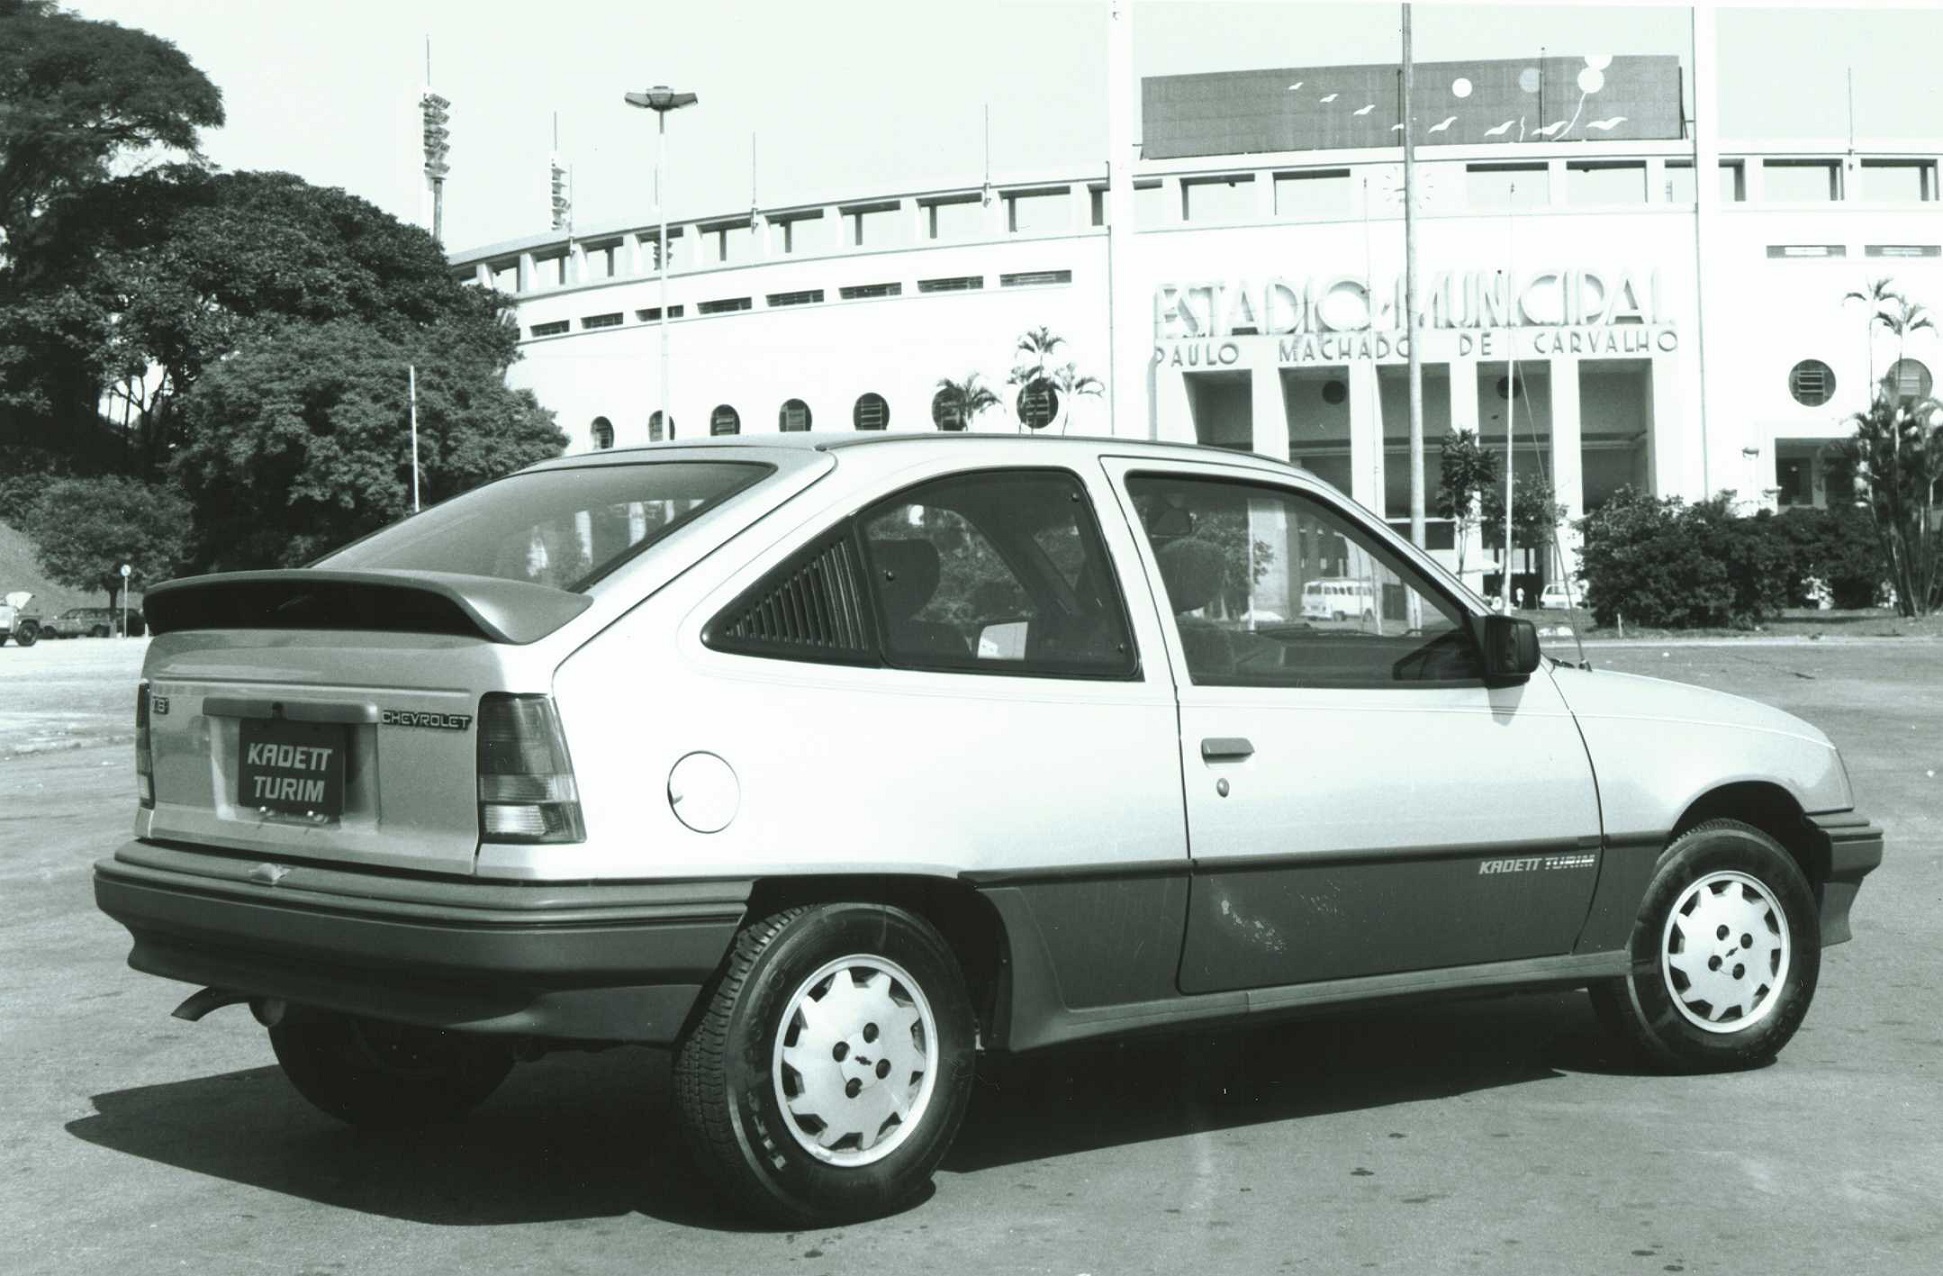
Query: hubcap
x=853 y=1066
x=1725 y=952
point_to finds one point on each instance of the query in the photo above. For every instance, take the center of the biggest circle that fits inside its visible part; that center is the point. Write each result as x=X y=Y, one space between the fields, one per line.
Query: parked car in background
x=16 y=622
x=826 y=762
x=1555 y=597
x=94 y=622
x=1338 y=598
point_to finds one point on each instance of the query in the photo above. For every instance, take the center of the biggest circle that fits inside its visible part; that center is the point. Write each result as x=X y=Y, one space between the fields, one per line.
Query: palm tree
x=1894 y=312
x=1038 y=345
x=1070 y=381
x=958 y=402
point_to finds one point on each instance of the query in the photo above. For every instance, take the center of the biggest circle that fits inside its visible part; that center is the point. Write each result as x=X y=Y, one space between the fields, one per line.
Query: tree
x=1893 y=312
x=74 y=94
x=300 y=441
x=1535 y=514
x=1040 y=346
x=84 y=528
x=1895 y=461
x=959 y=402
x=1468 y=471
x=142 y=283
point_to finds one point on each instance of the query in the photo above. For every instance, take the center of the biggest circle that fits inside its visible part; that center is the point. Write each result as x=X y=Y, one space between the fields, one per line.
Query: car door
x=1359 y=801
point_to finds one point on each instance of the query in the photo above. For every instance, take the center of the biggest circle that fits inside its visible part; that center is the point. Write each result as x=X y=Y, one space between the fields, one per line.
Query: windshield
x=566 y=528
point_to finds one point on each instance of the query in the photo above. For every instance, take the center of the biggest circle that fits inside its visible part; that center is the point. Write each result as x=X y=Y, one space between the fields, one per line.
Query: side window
x=1002 y=571
x=1274 y=588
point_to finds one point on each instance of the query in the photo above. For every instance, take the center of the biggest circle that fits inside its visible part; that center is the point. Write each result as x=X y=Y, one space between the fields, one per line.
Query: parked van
x=1338 y=598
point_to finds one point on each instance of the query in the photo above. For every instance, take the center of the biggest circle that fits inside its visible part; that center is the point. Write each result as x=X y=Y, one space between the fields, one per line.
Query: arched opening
x=603 y=434
x=871 y=412
x=724 y=420
x=794 y=417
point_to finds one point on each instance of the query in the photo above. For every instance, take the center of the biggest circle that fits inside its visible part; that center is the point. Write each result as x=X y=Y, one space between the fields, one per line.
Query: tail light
x=144 y=764
x=526 y=787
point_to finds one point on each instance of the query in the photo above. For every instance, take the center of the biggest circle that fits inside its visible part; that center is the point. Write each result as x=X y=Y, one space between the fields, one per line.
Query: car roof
x=810 y=442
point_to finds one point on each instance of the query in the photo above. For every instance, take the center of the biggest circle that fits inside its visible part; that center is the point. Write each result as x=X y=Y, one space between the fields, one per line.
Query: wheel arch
x=1771 y=808
x=966 y=920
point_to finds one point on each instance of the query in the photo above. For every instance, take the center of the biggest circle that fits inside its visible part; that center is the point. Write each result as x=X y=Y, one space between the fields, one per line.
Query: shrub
x=1837 y=547
x=1665 y=563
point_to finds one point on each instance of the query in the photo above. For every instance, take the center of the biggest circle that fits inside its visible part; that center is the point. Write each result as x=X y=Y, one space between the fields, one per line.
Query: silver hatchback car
x=828 y=762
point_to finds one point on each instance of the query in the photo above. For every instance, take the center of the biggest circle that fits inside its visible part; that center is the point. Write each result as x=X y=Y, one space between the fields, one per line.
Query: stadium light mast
x=1410 y=323
x=661 y=99
x=435 y=114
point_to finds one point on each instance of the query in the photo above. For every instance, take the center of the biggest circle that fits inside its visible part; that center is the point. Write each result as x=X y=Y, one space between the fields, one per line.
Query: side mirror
x=1510 y=647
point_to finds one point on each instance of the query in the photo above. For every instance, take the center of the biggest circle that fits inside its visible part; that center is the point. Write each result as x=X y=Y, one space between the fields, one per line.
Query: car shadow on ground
x=585 y=1137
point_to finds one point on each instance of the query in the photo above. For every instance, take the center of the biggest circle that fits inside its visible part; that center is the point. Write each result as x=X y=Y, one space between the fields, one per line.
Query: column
x=1365 y=437
x=996 y=219
x=482 y=274
x=631 y=255
x=1080 y=198
x=525 y=274
x=1175 y=213
x=842 y=223
x=1555 y=179
x=758 y=235
x=1265 y=195
x=1664 y=450
x=576 y=263
x=918 y=217
x=1655 y=180
x=1173 y=415
x=1270 y=415
x=1568 y=468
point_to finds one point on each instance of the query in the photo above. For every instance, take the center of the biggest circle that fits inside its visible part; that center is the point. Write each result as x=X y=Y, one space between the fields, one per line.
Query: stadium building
x=1627 y=297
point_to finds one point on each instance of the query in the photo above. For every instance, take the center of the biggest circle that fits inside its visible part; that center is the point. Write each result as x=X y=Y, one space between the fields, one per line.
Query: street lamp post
x=661 y=99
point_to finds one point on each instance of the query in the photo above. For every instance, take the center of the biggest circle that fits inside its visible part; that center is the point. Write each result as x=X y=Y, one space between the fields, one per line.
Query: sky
x=805 y=101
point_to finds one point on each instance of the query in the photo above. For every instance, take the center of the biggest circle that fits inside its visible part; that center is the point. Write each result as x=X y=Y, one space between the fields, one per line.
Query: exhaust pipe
x=269 y=1011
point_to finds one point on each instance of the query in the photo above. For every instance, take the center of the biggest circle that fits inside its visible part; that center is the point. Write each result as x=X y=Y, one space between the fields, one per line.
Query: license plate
x=292 y=768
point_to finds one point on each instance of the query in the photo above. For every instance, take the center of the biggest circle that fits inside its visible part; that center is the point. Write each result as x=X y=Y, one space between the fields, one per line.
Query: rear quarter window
x=563 y=527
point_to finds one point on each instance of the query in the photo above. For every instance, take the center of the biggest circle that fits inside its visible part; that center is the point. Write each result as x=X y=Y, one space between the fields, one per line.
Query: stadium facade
x=1629 y=302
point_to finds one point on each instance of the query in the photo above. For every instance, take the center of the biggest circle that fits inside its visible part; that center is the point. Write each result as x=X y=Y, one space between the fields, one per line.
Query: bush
x=1668 y=564
x=1837 y=547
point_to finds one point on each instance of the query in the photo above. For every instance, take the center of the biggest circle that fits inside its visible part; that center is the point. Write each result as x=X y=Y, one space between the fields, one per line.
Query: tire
x=1725 y=892
x=385 y=1075
x=770 y=1048
x=28 y=634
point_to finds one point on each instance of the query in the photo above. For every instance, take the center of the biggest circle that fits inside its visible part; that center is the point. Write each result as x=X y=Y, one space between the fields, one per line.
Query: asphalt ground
x=1495 y=1136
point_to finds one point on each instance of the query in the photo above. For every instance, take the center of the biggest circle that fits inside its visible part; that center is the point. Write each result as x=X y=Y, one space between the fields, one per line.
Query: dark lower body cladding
x=604 y=962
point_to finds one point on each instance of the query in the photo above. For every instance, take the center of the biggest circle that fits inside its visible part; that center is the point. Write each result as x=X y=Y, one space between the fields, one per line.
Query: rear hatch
x=348 y=746
x=331 y=713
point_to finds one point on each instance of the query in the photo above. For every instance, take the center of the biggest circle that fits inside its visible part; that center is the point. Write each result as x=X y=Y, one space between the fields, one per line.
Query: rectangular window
x=958 y=219
x=1507 y=186
x=723 y=306
x=1039 y=212
x=1098 y=201
x=805 y=233
x=653 y=313
x=806 y=297
x=1808 y=250
x=1905 y=250
x=1218 y=199
x=860 y=292
x=1733 y=182
x=956 y=283
x=1677 y=187
x=873 y=227
x=997 y=572
x=1314 y=194
x=1274 y=588
x=602 y=321
x=1897 y=181
x=1801 y=181
x=1035 y=278
x=553 y=329
x=1597 y=183
x=1150 y=206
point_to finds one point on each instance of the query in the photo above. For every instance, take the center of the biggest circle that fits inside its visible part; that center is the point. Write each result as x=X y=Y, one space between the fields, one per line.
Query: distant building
x=1562 y=227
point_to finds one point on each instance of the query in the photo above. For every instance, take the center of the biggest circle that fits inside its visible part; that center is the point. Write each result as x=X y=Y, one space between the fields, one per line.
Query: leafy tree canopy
x=73 y=94
x=84 y=528
x=300 y=441
x=176 y=268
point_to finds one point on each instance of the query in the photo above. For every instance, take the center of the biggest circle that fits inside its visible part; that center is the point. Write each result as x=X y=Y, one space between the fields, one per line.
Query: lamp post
x=661 y=99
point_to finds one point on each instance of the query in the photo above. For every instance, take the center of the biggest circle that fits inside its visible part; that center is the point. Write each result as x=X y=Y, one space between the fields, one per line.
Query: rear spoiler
x=508 y=611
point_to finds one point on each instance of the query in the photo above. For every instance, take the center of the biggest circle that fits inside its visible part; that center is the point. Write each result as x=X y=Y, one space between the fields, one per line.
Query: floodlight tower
x=435 y=112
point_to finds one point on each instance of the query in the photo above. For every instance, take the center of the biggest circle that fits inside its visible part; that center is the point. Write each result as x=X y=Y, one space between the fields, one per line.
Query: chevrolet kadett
x=828 y=762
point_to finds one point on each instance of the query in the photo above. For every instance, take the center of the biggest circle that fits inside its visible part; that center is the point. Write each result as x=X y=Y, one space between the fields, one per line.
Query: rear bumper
x=1854 y=851
x=611 y=962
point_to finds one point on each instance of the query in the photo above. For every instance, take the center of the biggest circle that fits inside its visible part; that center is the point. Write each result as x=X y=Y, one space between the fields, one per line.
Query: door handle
x=1215 y=747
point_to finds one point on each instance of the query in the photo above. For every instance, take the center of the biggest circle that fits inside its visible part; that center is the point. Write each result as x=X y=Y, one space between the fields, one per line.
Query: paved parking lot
x=1494 y=1136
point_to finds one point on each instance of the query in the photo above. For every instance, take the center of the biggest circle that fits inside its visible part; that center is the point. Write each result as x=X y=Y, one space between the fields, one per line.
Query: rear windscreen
x=565 y=528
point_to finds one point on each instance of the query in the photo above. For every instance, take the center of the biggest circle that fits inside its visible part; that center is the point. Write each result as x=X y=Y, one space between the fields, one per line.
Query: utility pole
x=411 y=373
x=1410 y=294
